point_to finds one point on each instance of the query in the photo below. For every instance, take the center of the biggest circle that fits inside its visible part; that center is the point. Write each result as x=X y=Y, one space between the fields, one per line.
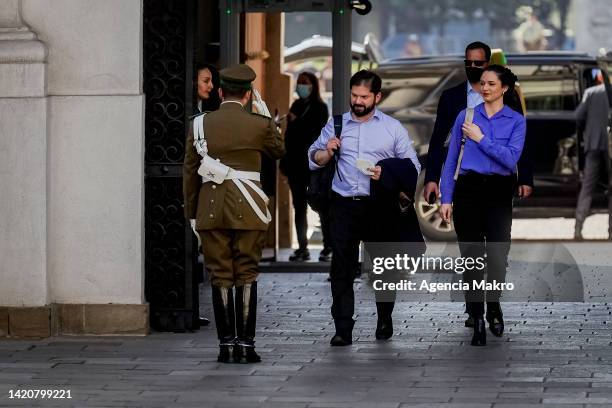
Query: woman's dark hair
x=369 y=78
x=315 y=94
x=213 y=101
x=507 y=78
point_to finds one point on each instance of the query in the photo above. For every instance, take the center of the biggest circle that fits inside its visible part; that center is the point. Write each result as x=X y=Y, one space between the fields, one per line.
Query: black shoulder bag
x=318 y=193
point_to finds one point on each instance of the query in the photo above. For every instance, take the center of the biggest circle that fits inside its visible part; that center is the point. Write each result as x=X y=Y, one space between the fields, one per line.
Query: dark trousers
x=593 y=161
x=347 y=229
x=300 y=208
x=482 y=214
x=324 y=217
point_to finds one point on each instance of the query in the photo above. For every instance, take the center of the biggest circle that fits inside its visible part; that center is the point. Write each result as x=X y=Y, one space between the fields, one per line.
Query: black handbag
x=319 y=190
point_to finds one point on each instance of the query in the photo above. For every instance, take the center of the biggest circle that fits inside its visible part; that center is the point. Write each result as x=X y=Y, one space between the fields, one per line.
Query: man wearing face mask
x=452 y=101
x=368 y=136
x=307 y=116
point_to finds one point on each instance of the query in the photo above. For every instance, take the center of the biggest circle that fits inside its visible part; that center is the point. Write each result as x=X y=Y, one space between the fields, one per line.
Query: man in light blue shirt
x=368 y=136
x=474 y=98
x=373 y=137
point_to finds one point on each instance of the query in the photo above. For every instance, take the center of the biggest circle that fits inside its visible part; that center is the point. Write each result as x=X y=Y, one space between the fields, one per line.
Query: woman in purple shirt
x=480 y=199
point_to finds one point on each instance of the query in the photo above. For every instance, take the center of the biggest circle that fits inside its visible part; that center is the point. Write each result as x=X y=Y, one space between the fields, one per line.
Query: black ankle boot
x=246 y=314
x=495 y=318
x=384 y=325
x=223 y=306
x=480 y=332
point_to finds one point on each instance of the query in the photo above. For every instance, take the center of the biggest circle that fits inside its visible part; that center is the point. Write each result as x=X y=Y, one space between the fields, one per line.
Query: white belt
x=240 y=178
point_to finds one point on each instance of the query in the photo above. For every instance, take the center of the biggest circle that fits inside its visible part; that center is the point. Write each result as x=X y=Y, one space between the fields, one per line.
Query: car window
x=548 y=87
x=406 y=90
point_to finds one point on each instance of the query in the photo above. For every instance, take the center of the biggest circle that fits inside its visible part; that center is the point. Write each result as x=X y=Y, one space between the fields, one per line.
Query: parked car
x=552 y=84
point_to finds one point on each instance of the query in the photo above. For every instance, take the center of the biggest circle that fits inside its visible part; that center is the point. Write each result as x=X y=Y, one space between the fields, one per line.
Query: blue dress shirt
x=497 y=153
x=473 y=98
x=380 y=137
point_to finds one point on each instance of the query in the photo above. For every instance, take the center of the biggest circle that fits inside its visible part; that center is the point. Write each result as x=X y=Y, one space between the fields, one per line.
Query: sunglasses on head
x=478 y=63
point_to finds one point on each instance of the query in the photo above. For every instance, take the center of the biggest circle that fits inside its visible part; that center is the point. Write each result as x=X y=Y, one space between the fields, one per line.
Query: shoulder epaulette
x=260 y=115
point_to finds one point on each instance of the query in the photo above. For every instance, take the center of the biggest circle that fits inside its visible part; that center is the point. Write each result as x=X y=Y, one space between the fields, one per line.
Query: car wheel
x=432 y=225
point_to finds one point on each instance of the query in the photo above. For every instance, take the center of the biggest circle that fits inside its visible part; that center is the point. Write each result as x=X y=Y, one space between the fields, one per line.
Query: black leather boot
x=495 y=318
x=223 y=306
x=246 y=314
x=384 y=325
x=480 y=332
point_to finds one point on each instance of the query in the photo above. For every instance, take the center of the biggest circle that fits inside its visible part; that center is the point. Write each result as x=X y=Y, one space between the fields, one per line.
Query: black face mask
x=473 y=74
x=364 y=112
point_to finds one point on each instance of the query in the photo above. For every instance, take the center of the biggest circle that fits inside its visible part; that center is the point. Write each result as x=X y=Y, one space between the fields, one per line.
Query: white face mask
x=303 y=90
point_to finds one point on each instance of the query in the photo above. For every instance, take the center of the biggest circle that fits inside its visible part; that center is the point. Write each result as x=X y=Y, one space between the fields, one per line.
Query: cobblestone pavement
x=552 y=355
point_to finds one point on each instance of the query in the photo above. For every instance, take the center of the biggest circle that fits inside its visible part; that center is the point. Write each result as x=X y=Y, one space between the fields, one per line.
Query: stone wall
x=72 y=146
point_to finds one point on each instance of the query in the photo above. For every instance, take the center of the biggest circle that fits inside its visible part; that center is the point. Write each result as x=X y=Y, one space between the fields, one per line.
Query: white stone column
x=23 y=163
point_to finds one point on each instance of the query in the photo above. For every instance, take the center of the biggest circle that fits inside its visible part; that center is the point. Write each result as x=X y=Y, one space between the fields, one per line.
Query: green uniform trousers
x=232 y=256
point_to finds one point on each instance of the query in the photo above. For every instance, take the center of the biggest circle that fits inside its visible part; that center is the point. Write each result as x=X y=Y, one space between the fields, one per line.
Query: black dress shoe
x=384 y=324
x=203 y=321
x=325 y=255
x=469 y=322
x=480 y=332
x=384 y=329
x=495 y=319
x=300 y=255
x=338 y=340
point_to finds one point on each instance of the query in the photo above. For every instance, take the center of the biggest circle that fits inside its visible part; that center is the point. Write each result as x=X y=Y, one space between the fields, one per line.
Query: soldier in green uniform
x=222 y=192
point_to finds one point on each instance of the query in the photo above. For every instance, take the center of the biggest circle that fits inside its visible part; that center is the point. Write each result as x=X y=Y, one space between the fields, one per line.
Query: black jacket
x=452 y=101
x=311 y=117
x=387 y=222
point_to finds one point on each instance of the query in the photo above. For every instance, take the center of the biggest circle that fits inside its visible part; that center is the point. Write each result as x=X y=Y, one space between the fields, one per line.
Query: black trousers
x=594 y=160
x=300 y=208
x=482 y=213
x=324 y=217
x=347 y=230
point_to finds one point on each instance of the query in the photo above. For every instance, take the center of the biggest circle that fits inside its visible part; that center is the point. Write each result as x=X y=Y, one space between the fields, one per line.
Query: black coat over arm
x=387 y=222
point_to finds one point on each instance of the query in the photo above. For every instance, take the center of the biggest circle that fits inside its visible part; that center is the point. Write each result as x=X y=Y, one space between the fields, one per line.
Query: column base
x=74 y=319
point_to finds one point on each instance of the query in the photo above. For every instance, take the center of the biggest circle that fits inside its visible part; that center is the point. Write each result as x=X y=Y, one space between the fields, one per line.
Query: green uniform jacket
x=237 y=138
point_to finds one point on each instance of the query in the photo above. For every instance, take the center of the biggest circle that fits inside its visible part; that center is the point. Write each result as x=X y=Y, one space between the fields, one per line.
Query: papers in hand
x=363 y=165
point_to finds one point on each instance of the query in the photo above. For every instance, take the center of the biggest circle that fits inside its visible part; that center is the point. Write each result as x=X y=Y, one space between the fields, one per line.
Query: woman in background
x=207 y=87
x=207 y=83
x=306 y=118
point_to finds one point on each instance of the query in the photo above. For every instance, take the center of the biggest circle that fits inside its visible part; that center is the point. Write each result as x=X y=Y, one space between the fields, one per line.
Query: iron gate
x=170 y=281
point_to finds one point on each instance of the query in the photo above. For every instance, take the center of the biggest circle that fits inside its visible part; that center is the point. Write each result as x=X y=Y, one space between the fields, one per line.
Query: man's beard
x=366 y=109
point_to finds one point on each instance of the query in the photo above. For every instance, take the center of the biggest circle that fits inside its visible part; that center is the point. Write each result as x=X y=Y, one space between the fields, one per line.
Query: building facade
x=94 y=100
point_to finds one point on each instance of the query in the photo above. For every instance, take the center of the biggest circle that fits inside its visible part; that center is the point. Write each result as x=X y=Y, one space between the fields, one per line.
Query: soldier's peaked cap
x=239 y=76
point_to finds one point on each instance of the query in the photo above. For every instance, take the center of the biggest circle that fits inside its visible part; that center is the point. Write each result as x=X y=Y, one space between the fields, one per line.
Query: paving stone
x=554 y=355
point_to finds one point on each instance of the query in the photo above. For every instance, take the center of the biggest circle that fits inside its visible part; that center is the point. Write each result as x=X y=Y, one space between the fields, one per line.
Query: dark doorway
x=176 y=34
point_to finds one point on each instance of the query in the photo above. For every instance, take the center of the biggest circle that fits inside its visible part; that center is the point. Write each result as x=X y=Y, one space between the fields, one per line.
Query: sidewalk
x=552 y=355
